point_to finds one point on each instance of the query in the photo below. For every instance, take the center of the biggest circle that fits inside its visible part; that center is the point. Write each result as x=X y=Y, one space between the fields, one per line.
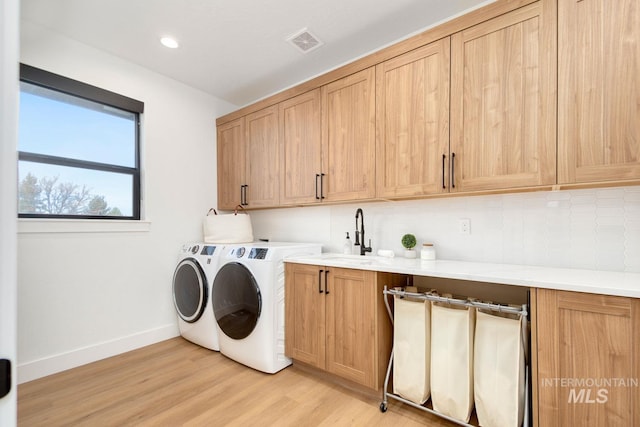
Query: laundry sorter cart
x=488 y=329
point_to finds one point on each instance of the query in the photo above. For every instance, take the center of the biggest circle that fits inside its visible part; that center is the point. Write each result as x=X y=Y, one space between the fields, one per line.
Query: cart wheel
x=383 y=407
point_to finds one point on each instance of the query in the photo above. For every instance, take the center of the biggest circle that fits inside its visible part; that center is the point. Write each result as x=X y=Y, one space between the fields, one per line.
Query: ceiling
x=236 y=50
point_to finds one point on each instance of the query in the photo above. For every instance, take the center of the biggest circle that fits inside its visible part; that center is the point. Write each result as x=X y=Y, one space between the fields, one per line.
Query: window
x=78 y=154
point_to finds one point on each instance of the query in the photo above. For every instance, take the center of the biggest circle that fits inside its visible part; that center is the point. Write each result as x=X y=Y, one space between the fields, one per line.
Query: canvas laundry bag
x=228 y=228
x=499 y=370
x=452 y=330
x=411 y=349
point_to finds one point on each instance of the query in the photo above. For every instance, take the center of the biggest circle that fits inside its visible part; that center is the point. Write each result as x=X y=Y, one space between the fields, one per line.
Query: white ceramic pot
x=409 y=253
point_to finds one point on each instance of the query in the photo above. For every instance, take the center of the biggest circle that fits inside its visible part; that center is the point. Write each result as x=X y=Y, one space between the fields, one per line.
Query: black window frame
x=58 y=83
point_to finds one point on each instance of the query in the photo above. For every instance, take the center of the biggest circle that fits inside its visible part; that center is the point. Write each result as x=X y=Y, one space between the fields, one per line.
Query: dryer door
x=236 y=300
x=189 y=290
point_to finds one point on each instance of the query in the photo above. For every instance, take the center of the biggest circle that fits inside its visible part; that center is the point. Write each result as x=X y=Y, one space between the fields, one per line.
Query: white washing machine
x=248 y=302
x=192 y=280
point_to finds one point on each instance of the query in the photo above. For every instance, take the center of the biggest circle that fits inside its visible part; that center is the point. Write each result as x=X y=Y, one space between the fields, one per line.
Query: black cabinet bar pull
x=317 y=176
x=453 y=170
x=321 y=186
x=320 y=281
x=444 y=157
x=243 y=195
x=326 y=284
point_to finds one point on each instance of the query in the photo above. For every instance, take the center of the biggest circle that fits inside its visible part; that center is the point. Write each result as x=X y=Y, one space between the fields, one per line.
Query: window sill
x=27 y=225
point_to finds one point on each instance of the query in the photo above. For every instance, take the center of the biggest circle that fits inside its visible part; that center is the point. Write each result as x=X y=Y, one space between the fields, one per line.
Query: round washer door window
x=189 y=290
x=236 y=300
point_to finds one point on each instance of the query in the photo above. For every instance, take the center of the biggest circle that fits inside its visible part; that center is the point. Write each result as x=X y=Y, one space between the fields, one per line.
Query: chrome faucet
x=360 y=233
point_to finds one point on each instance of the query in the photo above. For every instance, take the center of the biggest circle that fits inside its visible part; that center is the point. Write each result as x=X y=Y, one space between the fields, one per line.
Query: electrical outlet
x=464 y=225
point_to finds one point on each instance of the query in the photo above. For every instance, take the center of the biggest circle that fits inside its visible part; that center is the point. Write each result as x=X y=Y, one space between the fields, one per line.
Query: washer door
x=236 y=300
x=189 y=290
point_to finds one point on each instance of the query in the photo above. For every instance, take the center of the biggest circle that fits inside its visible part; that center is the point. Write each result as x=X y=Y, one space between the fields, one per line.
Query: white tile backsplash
x=589 y=229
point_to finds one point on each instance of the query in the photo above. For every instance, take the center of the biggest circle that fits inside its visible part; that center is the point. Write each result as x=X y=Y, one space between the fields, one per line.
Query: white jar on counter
x=428 y=251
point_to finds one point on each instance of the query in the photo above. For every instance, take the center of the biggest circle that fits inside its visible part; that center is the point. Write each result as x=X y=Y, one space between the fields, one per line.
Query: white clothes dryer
x=248 y=302
x=192 y=280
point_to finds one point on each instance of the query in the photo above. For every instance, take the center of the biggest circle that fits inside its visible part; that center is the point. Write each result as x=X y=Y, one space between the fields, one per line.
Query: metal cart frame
x=523 y=312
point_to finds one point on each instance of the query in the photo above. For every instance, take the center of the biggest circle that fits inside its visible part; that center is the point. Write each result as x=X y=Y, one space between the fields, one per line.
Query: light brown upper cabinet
x=327 y=140
x=348 y=138
x=248 y=161
x=412 y=118
x=503 y=106
x=262 y=188
x=300 y=149
x=231 y=164
x=598 y=91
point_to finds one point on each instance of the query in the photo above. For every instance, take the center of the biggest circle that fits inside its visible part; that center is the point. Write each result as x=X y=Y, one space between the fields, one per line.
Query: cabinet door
x=588 y=359
x=262 y=159
x=305 y=314
x=412 y=118
x=348 y=137
x=300 y=146
x=598 y=90
x=351 y=325
x=231 y=163
x=503 y=115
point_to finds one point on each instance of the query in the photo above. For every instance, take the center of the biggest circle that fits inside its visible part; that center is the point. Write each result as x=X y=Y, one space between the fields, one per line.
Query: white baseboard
x=29 y=371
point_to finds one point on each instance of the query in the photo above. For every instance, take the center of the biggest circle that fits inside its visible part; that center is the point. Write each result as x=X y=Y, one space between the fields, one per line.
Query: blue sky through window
x=57 y=124
x=66 y=126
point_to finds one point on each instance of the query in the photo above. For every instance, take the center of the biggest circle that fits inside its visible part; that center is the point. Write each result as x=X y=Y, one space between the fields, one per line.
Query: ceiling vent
x=304 y=41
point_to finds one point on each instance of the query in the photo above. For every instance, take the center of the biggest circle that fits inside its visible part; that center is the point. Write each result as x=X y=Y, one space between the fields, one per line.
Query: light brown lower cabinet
x=335 y=320
x=588 y=359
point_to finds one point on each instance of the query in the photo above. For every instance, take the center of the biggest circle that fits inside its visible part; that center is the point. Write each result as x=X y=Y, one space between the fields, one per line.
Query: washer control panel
x=248 y=253
x=258 y=253
x=197 y=249
x=190 y=249
x=240 y=252
x=208 y=250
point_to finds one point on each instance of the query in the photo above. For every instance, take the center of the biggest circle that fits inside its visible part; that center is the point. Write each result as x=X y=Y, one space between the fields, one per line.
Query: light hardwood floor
x=176 y=383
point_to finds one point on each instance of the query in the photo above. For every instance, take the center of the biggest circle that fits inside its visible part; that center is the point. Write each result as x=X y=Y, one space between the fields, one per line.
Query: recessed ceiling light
x=169 y=42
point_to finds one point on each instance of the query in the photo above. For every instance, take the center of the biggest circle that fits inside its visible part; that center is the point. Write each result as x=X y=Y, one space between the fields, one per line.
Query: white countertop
x=566 y=279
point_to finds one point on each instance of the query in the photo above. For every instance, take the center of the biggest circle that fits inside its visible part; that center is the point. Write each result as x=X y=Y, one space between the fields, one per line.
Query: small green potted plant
x=409 y=242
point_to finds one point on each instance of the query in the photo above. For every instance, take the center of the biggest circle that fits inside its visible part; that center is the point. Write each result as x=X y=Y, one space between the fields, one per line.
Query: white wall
x=86 y=295
x=8 y=140
x=589 y=229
